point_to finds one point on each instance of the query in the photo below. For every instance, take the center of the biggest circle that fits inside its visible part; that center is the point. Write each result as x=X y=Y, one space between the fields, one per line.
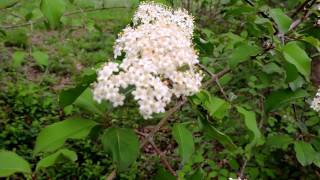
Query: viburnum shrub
x=159 y=60
x=228 y=91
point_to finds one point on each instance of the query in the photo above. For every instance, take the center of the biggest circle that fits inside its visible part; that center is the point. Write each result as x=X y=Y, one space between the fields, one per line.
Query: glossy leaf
x=53 y=136
x=185 y=141
x=282 y=20
x=123 y=145
x=57 y=157
x=86 y=101
x=53 y=10
x=251 y=122
x=298 y=57
x=242 y=53
x=304 y=152
x=11 y=163
x=281 y=98
x=214 y=133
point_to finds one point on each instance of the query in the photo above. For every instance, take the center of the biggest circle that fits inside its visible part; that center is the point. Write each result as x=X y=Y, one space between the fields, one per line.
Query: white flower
x=159 y=61
x=315 y=104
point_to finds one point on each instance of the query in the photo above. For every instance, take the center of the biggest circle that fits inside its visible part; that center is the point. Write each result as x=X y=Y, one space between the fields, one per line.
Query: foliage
x=252 y=118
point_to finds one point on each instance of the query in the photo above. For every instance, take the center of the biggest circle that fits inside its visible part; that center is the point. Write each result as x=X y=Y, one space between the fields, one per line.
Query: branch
x=307 y=13
x=171 y=111
x=112 y=175
x=300 y=8
x=162 y=157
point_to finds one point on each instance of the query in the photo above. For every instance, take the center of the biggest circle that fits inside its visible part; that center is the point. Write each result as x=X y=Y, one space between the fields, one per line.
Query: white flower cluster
x=315 y=104
x=159 y=61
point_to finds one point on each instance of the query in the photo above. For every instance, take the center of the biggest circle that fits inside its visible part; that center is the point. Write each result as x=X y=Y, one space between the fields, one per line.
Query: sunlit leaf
x=53 y=10
x=304 y=152
x=298 y=57
x=251 y=123
x=282 y=20
x=54 y=136
x=242 y=53
x=11 y=163
x=123 y=145
x=185 y=141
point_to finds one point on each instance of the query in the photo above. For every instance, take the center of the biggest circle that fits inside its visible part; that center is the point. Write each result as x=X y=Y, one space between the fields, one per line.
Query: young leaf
x=282 y=20
x=11 y=163
x=298 y=57
x=304 y=153
x=86 y=101
x=251 y=122
x=53 y=136
x=123 y=144
x=41 y=58
x=214 y=133
x=217 y=107
x=53 y=10
x=242 y=53
x=59 y=156
x=281 y=98
x=17 y=58
x=185 y=141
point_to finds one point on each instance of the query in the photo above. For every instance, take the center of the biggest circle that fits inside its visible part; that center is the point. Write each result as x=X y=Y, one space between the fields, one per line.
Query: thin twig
x=217 y=82
x=300 y=8
x=162 y=158
x=112 y=175
x=307 y=13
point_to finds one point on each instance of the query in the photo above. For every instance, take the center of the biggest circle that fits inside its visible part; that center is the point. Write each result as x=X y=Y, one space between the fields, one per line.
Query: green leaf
x=251 y=123
x=281 y=98
x=216 y=107
x=86 y=101
x=198 y=175
x=53 y=136
x=242 y=53
x=281 y=141
x=41 y=58
x=163 y=174
x=53 y=11
x=313 y=41
x=298 y=57
x=214 y=133
x=282 y=20
x=17 y=38
x=68 y=96
x=57 y=157
x=17 y=58
x=12 y=163
x=185 y=141
x=123 y=144
x=304 y=153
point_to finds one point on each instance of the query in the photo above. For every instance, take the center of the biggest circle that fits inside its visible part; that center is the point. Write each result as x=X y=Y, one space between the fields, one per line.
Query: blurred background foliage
x=262 y=104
